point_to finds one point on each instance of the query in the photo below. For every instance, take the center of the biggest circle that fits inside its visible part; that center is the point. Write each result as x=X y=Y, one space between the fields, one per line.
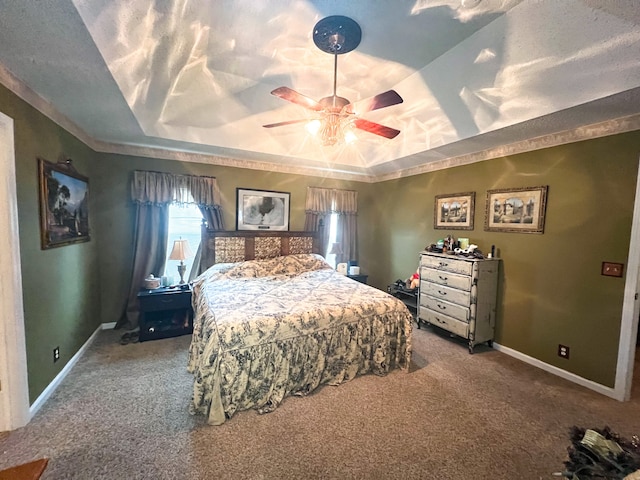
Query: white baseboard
x=44 y=396
x=572 y=377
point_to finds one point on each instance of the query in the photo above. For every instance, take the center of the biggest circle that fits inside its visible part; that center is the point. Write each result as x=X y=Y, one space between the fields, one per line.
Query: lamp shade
x=180 y=250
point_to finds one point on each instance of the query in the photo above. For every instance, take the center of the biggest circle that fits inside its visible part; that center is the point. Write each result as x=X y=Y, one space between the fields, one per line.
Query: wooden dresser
x=458 y=294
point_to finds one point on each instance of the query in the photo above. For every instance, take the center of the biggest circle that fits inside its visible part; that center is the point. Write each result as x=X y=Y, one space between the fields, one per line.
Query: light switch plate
x=611 y=269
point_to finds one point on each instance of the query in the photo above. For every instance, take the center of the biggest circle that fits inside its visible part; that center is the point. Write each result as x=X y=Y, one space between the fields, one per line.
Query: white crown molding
x=602 y=129
x=23 y=91
x=183 y=156
x=586 y=132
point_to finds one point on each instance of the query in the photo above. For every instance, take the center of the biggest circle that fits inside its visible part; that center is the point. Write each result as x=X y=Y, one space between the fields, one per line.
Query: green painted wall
x=61 y=292
x=551 y=291
x=551 y=288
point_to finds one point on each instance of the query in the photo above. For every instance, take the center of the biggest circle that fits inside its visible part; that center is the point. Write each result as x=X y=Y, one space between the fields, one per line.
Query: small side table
x=408 y=296
x=359 y=278
x=165 y=312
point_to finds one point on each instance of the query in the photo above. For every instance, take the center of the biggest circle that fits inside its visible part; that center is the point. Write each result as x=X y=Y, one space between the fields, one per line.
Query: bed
x=273 y=319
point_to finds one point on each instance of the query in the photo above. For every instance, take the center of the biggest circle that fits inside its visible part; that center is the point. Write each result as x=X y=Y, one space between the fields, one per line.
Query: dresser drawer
x=454 y=295
x=440 y=277
x=446 y=308
x=444 y=321
x=448 y=265
x=163 y=301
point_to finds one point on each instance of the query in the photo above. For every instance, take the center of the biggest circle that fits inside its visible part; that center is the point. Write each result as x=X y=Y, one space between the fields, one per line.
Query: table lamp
x=336 y=249
x=180 y=251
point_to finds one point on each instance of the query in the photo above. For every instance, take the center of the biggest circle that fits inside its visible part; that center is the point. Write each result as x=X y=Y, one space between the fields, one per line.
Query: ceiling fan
x=338 y=35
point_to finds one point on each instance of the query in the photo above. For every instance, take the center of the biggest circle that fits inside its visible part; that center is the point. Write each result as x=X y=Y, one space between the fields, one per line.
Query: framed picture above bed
x=64 y=204
x=262 y=210
x=454 y=211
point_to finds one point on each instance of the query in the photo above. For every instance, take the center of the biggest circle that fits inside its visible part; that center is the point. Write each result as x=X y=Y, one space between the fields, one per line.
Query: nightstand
x=359 y=278
x=165 y=312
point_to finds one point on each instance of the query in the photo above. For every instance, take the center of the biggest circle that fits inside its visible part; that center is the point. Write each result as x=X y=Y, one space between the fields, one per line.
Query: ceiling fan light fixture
x=332 y=132
x=350 y=137
x=338 y=35
x=313 y=127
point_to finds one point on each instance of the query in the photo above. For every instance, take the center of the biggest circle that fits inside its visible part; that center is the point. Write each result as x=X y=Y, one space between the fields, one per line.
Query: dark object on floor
x=129 y=337
x=401 y=285
x=26 y=471
x=601 y=453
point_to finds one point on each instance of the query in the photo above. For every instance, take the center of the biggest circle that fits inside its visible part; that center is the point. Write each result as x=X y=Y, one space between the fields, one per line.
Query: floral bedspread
x=266 y=329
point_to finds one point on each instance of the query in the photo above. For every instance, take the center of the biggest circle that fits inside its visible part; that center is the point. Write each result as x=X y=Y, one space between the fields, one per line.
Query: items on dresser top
x=458 y=294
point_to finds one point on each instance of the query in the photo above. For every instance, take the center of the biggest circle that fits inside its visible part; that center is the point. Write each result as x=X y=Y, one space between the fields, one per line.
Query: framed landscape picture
x=454 y=211
x=64 y=204
x=516 y=210
x=262 y=210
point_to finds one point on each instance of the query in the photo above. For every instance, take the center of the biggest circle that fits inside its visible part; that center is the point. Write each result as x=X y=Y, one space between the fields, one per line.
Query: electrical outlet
x=611 y=269
x=56 y=354
x=563 y=351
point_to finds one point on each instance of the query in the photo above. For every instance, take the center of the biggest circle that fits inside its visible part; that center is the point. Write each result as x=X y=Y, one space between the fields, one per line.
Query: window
x=184 y=223
x=333 y=227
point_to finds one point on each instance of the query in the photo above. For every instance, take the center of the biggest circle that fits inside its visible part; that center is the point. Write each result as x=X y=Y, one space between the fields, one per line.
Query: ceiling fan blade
x=280 y=124
x=376 y=128
x=381 y=100
x=292 y=96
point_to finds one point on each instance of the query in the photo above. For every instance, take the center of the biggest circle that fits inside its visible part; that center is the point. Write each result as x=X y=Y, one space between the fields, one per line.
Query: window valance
x=326 y=200
x=164 y=188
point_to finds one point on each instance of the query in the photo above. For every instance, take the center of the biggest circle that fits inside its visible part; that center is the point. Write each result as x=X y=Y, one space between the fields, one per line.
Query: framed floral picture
x=262 y=210
x=64 y=204
x=454 y=211
x=516 y=210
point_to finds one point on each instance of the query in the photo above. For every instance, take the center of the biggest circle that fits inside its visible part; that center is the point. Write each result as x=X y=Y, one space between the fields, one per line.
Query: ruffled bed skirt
x=261 y=376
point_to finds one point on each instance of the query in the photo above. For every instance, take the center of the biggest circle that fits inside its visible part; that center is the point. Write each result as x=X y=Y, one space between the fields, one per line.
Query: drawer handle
x=440 y=321
x=441 y=307
x=444 y=279
x=444 y=264
x=442 y=293
x=166 y=300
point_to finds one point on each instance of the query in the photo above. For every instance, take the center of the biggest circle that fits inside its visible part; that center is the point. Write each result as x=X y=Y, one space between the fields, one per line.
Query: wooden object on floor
x=26 y=471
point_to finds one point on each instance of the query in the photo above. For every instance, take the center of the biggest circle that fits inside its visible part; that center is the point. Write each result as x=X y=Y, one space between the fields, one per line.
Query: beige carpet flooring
x=121 y=413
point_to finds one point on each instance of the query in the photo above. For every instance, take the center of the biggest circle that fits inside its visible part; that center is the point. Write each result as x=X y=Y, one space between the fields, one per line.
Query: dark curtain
x=345 y=204
x=317 y=222
x=212 y=216
x=318 y=208
x=149 y=254
x=152 y=193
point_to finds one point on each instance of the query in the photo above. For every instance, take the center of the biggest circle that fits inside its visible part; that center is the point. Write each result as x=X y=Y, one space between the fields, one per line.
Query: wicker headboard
x=238 y=246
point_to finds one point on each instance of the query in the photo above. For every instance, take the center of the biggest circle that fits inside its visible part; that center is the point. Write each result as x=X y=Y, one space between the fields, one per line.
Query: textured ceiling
x=191 y=79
